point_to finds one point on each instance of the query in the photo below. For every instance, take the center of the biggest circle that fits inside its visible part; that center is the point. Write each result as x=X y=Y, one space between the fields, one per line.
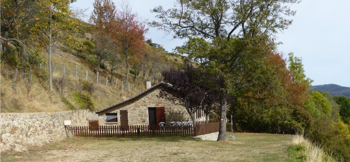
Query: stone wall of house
x=19 y=130
x=138 y=110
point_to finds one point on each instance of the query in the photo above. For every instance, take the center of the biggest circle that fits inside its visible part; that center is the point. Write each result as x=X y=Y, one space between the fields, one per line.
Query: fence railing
x=131 y=131
x=94 y=130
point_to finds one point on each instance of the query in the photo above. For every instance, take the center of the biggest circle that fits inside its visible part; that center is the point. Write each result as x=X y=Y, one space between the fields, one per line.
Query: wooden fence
x=142 y=130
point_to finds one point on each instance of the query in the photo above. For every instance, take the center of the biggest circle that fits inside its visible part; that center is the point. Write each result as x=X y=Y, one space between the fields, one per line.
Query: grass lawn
x=245 y=147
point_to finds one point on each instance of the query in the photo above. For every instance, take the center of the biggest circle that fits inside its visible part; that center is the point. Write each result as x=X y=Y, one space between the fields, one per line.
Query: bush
x=84 y=101
x=93 y=61
x=327 y=134
x=132 y=71
x=87 y=86
x=89 y=44
x=297 y=153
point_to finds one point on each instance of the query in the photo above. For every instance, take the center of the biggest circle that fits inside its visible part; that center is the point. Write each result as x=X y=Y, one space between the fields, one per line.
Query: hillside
x=74 y=78
x=333 y=89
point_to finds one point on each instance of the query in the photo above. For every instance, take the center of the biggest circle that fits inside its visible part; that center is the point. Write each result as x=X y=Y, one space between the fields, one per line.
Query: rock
x=19 y=148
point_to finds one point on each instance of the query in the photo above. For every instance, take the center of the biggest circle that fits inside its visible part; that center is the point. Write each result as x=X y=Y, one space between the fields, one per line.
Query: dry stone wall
x=19 y=130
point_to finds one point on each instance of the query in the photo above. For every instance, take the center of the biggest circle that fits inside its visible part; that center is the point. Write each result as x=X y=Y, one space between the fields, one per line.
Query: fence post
x=76 y=71
x=64 y=69
x=116 y=83
x=106 y=80
x=97 y=73
x=86 y=75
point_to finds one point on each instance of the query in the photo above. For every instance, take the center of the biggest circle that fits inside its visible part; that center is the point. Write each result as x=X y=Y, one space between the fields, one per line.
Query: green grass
x=247 y=147
x=297 y=153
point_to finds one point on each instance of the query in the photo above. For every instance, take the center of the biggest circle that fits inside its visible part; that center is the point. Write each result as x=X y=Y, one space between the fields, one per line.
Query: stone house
x=145 y=109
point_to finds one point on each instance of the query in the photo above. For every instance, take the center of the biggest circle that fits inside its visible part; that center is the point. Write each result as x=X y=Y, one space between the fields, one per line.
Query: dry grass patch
x=245 y=147
x=311 y=152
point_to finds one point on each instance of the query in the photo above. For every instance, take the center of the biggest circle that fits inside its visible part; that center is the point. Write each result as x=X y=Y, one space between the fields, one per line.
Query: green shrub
x=102 y=66
x=296 y=153
x=84 y=101
x=89 y=44
x=132 y=71
x=91 y=60
x=12 y=58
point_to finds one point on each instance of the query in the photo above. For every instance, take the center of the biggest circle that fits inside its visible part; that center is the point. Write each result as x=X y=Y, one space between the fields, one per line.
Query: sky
x=319 y=35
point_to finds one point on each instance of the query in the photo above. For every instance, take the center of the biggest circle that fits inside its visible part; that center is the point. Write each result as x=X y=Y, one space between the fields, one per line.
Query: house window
x=111 y=117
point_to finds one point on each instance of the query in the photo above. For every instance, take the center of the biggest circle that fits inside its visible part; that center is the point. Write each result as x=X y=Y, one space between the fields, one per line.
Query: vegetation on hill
x=333 y=89
x=84 y=74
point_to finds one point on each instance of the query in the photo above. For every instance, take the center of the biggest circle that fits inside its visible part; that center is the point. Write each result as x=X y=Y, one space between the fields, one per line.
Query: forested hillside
x=90 y=68
x=333 y=89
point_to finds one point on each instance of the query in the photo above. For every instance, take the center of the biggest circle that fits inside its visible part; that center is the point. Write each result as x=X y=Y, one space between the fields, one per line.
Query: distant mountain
x=333 y=89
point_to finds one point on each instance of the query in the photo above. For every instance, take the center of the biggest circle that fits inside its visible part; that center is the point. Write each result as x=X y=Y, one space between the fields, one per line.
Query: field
x=244 y=147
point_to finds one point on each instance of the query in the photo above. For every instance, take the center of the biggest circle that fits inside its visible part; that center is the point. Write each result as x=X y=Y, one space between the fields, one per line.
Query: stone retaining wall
x=19 y=130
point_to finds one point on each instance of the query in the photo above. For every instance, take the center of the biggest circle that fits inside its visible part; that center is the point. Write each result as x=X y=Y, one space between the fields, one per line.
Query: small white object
x=148 y=84
x=67 y=122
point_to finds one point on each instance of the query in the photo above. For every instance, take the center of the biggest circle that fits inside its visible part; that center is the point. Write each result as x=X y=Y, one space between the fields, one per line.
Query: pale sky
x=320 y=35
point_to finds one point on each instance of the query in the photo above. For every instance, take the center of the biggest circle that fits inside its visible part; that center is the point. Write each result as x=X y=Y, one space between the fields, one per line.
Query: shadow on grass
x=148 y=138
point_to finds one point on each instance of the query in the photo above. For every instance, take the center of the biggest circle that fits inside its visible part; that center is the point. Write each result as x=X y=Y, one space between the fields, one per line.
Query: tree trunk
x=207 y=118
x=234 y=116
x=223 y=110
x=50 y=60
x=127 y=68
x=136 y=73
x=193 y=116
x=98 y=69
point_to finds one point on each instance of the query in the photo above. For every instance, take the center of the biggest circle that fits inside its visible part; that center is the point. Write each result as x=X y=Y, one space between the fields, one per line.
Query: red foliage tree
x=130 y=31
x=190 y=88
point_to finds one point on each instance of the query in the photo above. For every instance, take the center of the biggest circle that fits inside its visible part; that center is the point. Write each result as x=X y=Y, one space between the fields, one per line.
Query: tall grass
x=312 y=153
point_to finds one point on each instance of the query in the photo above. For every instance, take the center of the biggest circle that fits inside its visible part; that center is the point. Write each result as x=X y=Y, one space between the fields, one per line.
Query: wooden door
x=152 y=116
x=160 y=115
x=124 y=119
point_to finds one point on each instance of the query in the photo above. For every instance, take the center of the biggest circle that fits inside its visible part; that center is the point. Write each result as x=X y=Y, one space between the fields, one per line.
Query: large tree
x=53 y=17
x=232 y=20
x=183 y=89
x=103 y=19
x=130 y=31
